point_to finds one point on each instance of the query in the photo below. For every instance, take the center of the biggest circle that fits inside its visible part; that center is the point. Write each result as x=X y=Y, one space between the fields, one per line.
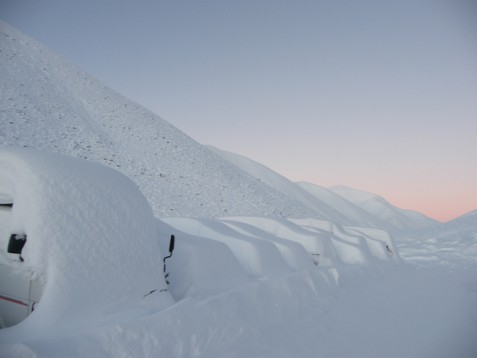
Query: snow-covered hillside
x=48 y=103
x=353 y=212
x=339 y=204
x=382 y=209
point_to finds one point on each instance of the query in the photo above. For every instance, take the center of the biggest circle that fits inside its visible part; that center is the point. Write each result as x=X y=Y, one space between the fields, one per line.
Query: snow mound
x=354 y=245
x=200 y=267
x=91 y=236
x=328 y=244
x=259 y=258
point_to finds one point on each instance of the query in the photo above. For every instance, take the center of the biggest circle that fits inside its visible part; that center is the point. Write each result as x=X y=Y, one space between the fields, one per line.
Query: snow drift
x=91 y=237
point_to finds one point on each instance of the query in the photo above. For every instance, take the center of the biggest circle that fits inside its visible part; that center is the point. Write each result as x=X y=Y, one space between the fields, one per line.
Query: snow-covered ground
x=262 y=267
x=239 y=286
x=453 y=243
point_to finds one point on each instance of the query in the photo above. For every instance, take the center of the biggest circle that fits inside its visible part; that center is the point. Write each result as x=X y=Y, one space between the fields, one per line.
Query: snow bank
x=259 y=258
x=318 y=245
x=293 y=253
x=403 y=312
x=199 y=267
x=91 y=237
x=354 y=245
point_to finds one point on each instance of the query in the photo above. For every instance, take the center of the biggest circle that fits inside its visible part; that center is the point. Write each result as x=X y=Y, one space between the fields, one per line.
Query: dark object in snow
x=390 y=252
x=171 y=248
x=16 y=243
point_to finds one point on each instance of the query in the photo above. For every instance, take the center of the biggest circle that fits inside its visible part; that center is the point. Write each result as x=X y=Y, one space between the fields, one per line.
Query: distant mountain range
x=48 y=103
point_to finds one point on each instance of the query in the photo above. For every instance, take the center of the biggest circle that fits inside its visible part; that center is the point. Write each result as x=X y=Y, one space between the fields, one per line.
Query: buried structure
x=76 y=239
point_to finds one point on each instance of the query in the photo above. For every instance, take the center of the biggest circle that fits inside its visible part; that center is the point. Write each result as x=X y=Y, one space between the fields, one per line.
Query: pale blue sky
x=376 y=95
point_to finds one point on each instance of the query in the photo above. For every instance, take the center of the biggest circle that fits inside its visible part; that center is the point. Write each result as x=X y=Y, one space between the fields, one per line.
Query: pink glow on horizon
x=443 y=198
x=438 y=202
x=441 y=209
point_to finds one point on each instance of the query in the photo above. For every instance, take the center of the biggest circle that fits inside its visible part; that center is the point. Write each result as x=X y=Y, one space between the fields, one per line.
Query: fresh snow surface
x=90 y=235
x=355 y=214
x=48 y=103
x=382 y=209
x=453 y=243
x=334 y=206
x=257 y=271
x=281 y=184
x=239 y=286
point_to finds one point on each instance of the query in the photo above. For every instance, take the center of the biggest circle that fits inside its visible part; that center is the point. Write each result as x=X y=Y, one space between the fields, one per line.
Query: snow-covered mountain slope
x=48 y=103
x=282 y=184
x=355 y=214
x=331 y=205
x=250 y=288
x=383 y=210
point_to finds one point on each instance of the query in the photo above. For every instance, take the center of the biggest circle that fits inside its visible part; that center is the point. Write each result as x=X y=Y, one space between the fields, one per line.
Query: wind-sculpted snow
x=94 y=244
x=200 y=267
x=293 y=253
x=354 y=244
x=259 y=258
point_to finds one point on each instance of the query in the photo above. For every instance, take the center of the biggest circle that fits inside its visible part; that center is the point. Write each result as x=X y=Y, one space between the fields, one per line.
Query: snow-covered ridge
x=48 y=103
x=383 y=210
x=341 y=205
